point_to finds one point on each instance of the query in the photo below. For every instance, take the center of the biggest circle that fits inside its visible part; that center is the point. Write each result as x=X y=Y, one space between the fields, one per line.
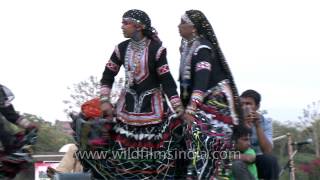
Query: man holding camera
x=261 y=139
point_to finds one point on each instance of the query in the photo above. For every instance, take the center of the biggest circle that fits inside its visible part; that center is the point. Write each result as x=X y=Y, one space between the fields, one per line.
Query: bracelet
x=104 y=99
x=190 y=110
x=105 y=90
x=23 y=122
x=179 y=110
x=196 y=98
x=176 y=104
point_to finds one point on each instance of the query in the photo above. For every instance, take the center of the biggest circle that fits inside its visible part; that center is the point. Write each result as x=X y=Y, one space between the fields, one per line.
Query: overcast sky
x=271 y=46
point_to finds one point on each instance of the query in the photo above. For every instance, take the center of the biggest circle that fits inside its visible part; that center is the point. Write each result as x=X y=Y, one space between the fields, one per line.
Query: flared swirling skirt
x=209 y=137
x=137 y=152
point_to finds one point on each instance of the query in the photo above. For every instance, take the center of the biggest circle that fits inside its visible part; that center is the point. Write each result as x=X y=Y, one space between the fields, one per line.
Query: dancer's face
x=186 y=30
x=129 y=29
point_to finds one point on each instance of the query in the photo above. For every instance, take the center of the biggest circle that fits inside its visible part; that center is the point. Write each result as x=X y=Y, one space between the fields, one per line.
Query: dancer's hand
x=107 y=109
x=188 y=118
x=26 y=124
x=105 y=132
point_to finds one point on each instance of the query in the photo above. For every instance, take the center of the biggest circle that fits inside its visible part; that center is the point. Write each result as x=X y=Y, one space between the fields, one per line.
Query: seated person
x=10 y=143
x=261 y=139
x=243 y=167
x=68 y=164
x=90 y=110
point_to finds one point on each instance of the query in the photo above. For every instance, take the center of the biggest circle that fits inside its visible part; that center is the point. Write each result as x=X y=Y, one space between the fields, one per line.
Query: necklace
x=134 y=54
x=188 y=48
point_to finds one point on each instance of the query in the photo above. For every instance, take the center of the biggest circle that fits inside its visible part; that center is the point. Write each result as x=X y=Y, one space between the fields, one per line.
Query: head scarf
x=201 y=23
x=138 y=17
x=6 y=96
x=205 y=30
x=141 y=18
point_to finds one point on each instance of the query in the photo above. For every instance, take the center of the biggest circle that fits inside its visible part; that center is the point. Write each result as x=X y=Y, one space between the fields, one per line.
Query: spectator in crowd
x=261 y=139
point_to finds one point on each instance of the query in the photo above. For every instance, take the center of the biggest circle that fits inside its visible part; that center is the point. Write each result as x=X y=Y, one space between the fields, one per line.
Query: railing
x=291 y=153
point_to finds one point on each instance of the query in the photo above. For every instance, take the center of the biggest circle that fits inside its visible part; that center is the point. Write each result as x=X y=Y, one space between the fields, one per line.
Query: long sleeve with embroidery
x=201 y=70
x=202 y=67
x=168 y=84
x=10 y=114
x=111 y=70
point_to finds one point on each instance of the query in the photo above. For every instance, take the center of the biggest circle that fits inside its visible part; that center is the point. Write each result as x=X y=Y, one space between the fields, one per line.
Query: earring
x=194 y=33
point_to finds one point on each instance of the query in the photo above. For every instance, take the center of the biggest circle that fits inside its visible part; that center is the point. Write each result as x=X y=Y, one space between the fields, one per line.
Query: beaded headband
x=186 y=19
x=134 y=21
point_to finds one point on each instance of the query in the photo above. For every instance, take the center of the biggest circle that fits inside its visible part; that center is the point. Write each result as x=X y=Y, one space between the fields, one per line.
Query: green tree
x=279 y=129
x=50 y=138
x=304 y=155
x=310 y=121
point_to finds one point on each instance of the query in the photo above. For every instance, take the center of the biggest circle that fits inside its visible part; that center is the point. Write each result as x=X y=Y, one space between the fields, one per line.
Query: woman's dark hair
x=151 y=34
x=143 y=19
x=205 y=30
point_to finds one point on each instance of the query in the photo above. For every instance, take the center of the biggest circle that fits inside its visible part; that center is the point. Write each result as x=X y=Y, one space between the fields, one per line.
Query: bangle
x=176 y=103
x=190 y=110
x=105 y=90
x=23 y=122
x=196 y=98
x=179 y=110
x=104 y=99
